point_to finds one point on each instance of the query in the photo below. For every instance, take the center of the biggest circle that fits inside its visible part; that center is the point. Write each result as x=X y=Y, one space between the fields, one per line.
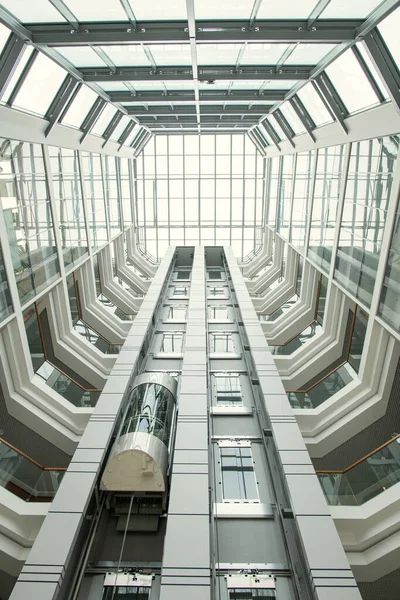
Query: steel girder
x=180 y=96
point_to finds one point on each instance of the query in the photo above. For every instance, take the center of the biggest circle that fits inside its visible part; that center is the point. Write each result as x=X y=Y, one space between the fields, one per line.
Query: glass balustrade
x=94 y=338
x=323 y=390
x=367 y=479
x=302 y=338
x=25 y=478
x=67 y=388
x=279 y=312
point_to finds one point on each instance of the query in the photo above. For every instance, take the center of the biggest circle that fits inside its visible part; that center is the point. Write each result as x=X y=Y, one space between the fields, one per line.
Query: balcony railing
x=321 y=391
x=365 y=479
x=26 y=478
x=67 y=387
x=298 y=341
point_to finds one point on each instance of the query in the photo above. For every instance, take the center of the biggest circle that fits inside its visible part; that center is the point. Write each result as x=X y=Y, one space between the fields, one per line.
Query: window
x=172 y=343
x=249 y=593
x=237 y=473
x=216 y=291
x=228 y=389
x=218 y=313
x=181 y=291
x=214 y=274
x=182 y=275
x=176 y=313
x=126 y=592
x=221 y=343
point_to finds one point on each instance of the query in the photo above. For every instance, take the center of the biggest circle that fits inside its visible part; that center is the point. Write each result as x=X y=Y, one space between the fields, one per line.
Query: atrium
x=147 y=150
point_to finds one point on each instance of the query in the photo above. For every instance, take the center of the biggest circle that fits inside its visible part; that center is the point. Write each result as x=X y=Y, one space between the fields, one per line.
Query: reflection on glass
x=69 y=204
x=314 y=105
x=67 y=388
x=95 y=198
x=221 y=343
x=389 y=306
x=325 y=205
x=228 y=390
x=237 y=473
x=302 y=338
x=301 y=198
x=126 y=592
x=26 y=479
x=279 y=311
x=218 y=313
x=28 y=217
x=126 y=191
x=272 y=189
x=176 y=313
x=6 y=307
x=284 y=196
x=364 y=214
x=322 y=391
x=150 y=410
x=113 y=194
x=374 y=475
x=321 y=301
x=216 y=291
x=358 y=338
x=32 y=329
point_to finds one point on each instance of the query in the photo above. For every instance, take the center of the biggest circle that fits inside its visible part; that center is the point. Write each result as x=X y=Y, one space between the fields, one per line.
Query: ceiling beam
x=217 y=109
x=213 y=95
x=177 y=32
x=205 y=73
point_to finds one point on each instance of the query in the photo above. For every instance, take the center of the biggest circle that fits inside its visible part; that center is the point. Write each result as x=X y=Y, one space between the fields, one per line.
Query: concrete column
x=43 y=573
x=186 y=561
x=329 y=571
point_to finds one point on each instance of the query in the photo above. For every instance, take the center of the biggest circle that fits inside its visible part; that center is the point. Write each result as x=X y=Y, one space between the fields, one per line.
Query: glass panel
x=181 y=291
x=6 y=307
x=272 y=189
x=279 y=311
x=34 y=336
x=207 y=9
x=221 y=343
x=321 y=302
x=285 y=196
x=17 y=74
x=28 y=218
x=170 y=54
x=68 y=389
x=40 y=86
x=172 y=343
x=285 y=9
x=24 y=478
x=291 y=116
x=95 y=198
x=309 y=54
x=389 y=28
x=250 y=593
x=389 y=306
x=219 y=54
x=218 y=313
x=81 y=56
x=126 y=191
x=80 y=107
x=129 y=55
x=104 y=120
x=375 y=74
x=113 y=194
x=237 y=472
x=262 y=54
x=228 y=390
x=277 y=128
x=118 y=131
x=314 y=105
x=364 y=481
x=351 y=83
x=69 y=204
x=364 y=214
x=164 y=11
x=301 y=198
x=358 y=338
x=302 y=338
x=126 y=593
x=216 y=291
x=97 y=10
x=182 y=275
x=215 y=275
x=323 y=391
x=95 y=339
x=342 y=9
x=325 y=205
x=33 y=12
x=4 y=35
x=176 y=313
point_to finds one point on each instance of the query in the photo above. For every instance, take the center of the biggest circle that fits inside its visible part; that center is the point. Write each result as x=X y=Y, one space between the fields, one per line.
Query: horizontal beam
x=174 y=32
x=205 y=73
x=190 y=109
x=213 y=95
x=214 y=119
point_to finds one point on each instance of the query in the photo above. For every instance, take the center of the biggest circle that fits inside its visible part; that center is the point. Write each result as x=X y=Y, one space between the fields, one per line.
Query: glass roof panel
x=274 y=124
x=291 y=116
x=17 y=73
x=80 y=56
x=40 y=86
x=103 y=120
x=389 y=29
x=80 y=107
x=309 y=54
x=224 y=9
x=115 y=86
x=218 y=54
x=375 y=74
x=343 y=9
x=170 y=54
x=285 y=9
x=4 y=35
x=263 y=54
x=159 y=11
x=314 y=105
x=279 y=84
x=130 y=137
x=35 y=11
x=120 y=127
x=124 y=55
x=351 y=83
x=97 y=10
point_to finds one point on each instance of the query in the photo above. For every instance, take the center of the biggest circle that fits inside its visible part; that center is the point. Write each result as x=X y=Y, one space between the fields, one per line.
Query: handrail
x=361 y=459
x=280 y=306
x=32 y=460
x=294 y=337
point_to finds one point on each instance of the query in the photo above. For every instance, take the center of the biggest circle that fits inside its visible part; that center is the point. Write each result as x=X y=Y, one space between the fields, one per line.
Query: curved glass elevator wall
x=140 y=455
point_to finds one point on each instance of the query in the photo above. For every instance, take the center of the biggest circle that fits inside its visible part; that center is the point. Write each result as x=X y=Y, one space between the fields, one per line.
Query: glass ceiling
x=195 y=189
x=274 y=69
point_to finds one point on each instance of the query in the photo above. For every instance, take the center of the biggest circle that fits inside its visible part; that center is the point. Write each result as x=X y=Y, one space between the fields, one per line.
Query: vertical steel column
x=43 y=573
x=186 y=561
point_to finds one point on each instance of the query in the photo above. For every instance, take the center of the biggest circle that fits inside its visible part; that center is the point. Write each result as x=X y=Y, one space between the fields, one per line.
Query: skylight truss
x=273 y=69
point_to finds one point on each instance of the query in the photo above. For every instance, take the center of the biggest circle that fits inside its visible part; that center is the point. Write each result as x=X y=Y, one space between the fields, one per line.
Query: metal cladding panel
x=256 y=541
